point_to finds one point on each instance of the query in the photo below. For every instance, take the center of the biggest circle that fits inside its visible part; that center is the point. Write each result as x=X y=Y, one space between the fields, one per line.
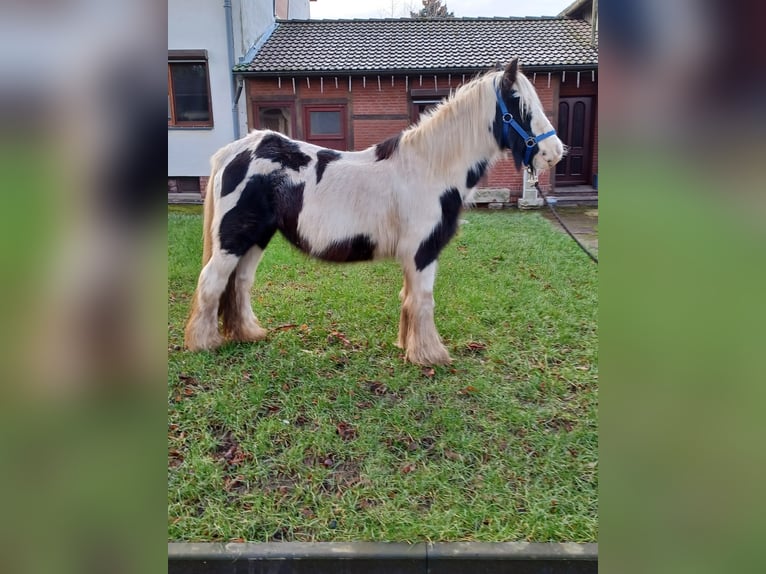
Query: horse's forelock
x=528 y=98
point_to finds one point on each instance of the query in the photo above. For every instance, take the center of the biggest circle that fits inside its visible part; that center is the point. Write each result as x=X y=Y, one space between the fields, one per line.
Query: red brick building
x=348 y=84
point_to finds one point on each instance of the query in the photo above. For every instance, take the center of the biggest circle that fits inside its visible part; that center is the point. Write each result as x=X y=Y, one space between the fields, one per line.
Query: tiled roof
x=388 y=45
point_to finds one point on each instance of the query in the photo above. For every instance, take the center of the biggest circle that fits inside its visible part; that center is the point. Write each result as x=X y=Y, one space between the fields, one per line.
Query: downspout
x=233 y=84
x=594 y=23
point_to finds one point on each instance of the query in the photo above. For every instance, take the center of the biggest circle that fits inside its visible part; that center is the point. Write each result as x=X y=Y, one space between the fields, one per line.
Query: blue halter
x=509 y=122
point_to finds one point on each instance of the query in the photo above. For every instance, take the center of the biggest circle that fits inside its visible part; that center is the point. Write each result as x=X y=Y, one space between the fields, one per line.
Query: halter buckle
x=531 y=142
x=507 y=118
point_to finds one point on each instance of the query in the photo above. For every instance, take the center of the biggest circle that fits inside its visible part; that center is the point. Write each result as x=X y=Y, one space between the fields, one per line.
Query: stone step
x=582 y=199
x=190 y=198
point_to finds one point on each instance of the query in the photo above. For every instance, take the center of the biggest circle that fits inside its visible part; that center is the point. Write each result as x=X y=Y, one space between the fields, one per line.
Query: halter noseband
x=509 y=122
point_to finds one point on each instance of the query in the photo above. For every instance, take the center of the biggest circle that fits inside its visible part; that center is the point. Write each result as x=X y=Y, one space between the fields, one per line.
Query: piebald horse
x=398 y=199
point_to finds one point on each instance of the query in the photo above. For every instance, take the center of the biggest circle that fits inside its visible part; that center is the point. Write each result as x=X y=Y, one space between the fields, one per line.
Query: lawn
x=323 y=433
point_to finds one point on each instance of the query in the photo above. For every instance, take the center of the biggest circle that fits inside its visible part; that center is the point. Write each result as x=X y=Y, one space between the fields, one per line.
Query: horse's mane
x=458 y=124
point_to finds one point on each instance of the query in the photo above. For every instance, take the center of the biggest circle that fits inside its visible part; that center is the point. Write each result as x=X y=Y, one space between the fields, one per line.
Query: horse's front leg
x=422 y=342
x=404 y=319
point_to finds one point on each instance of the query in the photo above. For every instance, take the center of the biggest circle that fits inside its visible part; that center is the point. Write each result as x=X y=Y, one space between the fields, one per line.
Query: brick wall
x=378 y=109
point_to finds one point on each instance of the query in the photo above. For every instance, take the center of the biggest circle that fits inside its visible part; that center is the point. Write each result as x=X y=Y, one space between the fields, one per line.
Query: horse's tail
x=209 y=209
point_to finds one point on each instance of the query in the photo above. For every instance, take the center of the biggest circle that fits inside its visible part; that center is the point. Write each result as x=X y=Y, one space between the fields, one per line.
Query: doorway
x=575 y=129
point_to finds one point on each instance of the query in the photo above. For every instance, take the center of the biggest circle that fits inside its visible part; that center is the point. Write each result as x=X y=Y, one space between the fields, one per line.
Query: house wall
x=198 y=25
x=378 y=112
x=251 y=19
x=298 y=10
x=201 y=25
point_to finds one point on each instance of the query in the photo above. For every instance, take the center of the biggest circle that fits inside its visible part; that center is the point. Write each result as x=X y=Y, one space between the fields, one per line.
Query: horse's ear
x=509 y=75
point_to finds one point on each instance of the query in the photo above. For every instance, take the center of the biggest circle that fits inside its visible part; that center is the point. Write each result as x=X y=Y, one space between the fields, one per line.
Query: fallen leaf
x=469 y=390
x=451 y=454
x=175 y=458
x=408 y=468
x=233 y=482
x=476 y=346
x=378 y=388
x=346 y=431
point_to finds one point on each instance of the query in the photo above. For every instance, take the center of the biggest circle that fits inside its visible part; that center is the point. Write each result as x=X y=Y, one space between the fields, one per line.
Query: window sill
x=190 y=128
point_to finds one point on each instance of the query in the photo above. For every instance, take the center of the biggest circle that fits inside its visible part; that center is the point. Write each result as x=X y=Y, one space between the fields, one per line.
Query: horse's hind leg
x=202 y=327
x=239 y=321
x=423 y=344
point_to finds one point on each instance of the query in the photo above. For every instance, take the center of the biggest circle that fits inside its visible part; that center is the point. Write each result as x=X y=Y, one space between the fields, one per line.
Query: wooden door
x=575 y=130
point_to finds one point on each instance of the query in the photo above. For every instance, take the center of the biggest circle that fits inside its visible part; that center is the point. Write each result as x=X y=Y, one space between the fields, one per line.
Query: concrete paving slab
x=582 y=221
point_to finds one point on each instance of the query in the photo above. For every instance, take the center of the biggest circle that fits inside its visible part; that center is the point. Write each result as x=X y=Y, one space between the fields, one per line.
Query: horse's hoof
x=250 y=335
x=203 y=344
x=428 y=359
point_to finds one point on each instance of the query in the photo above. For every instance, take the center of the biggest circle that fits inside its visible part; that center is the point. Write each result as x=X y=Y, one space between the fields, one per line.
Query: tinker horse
x=398 y=199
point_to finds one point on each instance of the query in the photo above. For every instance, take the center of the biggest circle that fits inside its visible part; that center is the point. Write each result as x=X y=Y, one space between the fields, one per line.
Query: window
x=189 y=89
x=184 y=185
x=325 y=122
x=325 y=125
x=424 y=100
x=421 y=106
x=275 y=117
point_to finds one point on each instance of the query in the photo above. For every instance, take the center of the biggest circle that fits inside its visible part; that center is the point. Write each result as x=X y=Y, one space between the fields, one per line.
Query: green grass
x=323 y=432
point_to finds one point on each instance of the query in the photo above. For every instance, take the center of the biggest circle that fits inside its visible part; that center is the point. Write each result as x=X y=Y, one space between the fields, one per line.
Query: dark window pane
x=325 y=123
x=190 y=95
x=188 y=184
x=578 y=124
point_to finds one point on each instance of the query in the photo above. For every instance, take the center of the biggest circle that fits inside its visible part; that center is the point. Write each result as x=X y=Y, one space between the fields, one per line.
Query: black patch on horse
x=286 y=152
x=356 y=248
x=385 y=149
x=235 y=172
x=253 y=220
x=431 y=246
x=475 y=174
x=288 y=203
x=324 y=157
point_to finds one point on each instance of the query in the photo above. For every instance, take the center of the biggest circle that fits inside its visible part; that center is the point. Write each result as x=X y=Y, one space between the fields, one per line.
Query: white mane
x=528 y=96
x=457 y=128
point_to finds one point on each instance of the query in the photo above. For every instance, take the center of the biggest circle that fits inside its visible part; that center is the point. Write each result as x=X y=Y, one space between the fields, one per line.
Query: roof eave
x=411 y=71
